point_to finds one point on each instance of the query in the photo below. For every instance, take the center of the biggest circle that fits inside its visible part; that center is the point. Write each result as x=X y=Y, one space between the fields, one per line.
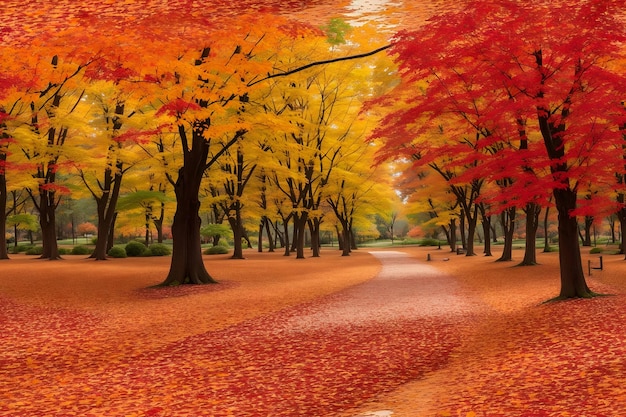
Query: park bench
x=599 y=266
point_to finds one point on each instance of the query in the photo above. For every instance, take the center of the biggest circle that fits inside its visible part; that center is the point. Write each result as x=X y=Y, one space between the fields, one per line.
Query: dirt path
x=404 y=289
x=315 y=337
x=99 y=345
x=522 y=357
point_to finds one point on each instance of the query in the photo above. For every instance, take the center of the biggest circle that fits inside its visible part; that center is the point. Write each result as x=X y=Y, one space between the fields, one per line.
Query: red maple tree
x=551 y=66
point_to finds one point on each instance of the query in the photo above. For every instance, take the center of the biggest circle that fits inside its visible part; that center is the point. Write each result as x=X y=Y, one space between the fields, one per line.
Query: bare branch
x=318 y=63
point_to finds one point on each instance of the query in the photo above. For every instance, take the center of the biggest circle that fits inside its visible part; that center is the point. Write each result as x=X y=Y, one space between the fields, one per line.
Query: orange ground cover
x=524 y=357
x=69 y=324
x=91 y=338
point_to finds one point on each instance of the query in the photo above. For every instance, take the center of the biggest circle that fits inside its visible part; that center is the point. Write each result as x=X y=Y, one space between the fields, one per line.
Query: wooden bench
x=600 y=266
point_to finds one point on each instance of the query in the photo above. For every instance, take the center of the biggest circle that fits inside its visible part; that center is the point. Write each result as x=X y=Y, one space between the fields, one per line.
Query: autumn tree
x=235 y=171
x=268 y=216
x=427 y=194
x=556 y=59
x=323 y=103
x=45 y=124
x=5 y=140
x=357 y=193
x=208 y=91
x=117 y=124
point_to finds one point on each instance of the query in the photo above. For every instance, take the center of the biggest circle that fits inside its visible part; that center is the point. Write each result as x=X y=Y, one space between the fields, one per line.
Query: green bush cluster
x=428 y=242
x=216 y=250
x=81 y=250
x=117 y=252
x=19 y=248
x=158 y=249
x=35 y=250
x=135 y=248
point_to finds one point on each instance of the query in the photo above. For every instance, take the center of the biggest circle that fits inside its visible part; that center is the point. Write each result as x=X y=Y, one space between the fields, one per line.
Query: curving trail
x=413 y=341
x=319 y=358
x=405 y=289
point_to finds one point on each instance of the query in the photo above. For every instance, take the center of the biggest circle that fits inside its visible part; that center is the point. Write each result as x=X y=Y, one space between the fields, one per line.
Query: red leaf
x=177 y=107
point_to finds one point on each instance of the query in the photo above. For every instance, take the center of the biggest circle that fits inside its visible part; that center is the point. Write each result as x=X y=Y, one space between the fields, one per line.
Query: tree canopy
x=511 y=90
x=254 y=113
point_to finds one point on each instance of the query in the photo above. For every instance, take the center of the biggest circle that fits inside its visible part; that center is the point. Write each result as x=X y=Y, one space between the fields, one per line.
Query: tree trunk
x=472 y=221
x=532 y=223
x=487 y=232
x=573 y=282
x=300 y=222
x=341 y=235
x=105 y=207
x=111 y=238
x=260 y=241
x=4 y=253
x=279 y=237
x=353 y=245
x=237 y=228
x=187 y=265
x=244 y=236
x=100 y=251
x=612 y=228
x=507 y=219
x=621 y=216
x=494 y=235
x=546 y=238
x=270 y=238
x=446 y=232
x=452 y=238
x=148 y=216
x=158 y=223
x=344 y=237
x=462 y=230
x=287 y=245
x=294 y=234
x=47 y=222
x=587 y=238
x=314 y=227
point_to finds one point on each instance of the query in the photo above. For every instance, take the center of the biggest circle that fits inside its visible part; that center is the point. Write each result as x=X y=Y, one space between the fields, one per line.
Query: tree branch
x=318 y=63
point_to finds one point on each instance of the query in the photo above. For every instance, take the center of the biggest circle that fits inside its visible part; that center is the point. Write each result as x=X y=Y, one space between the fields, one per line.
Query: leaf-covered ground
x=314 y=337
x=525 y=357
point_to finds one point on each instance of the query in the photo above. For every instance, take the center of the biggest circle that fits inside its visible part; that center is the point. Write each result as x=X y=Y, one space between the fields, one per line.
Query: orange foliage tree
x=199 y=67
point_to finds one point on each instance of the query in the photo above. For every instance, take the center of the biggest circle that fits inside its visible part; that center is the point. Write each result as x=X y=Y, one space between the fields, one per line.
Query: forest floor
x=376 y=333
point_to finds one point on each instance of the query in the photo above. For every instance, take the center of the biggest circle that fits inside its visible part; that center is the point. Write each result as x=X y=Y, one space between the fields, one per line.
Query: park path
x=320 y=358
x=405 y=289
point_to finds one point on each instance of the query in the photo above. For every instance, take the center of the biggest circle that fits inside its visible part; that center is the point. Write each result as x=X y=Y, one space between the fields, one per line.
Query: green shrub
x=595 y=250
x=35 y=250
x=20 y=248
x=429 y=242
x=216 y=250
x=81 y=250
x=94 y=240
x=159 y=249
x=134 y=248
x=64 y=251
x=117 y=252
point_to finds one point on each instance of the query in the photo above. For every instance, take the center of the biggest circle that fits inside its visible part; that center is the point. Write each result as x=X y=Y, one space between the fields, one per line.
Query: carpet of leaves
x=311 y=359
x=464 y=338
x=525 y=357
